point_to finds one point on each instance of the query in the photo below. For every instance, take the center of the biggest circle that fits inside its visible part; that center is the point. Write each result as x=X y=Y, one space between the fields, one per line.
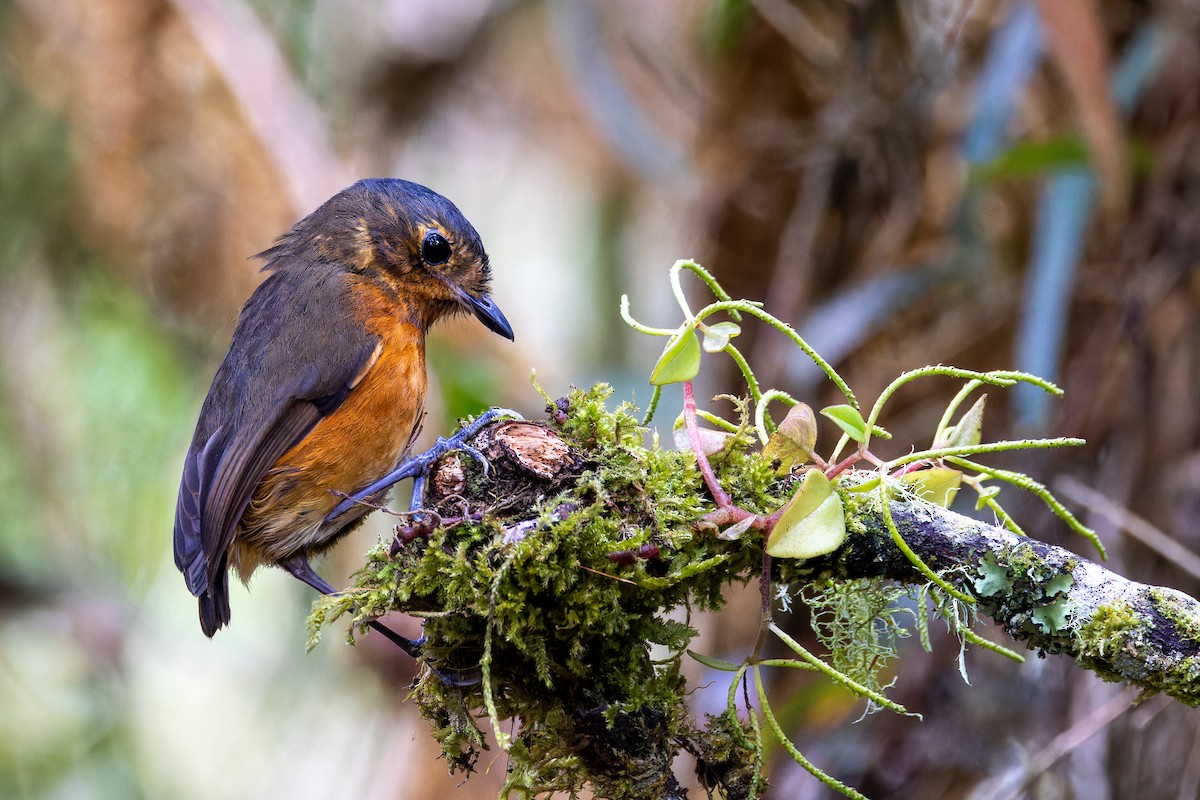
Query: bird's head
x=410 y=238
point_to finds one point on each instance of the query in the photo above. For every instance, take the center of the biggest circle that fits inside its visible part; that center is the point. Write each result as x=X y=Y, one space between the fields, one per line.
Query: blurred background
x=989 y=184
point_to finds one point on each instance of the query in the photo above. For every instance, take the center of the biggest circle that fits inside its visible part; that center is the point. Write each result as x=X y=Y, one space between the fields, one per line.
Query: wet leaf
x=718 y=335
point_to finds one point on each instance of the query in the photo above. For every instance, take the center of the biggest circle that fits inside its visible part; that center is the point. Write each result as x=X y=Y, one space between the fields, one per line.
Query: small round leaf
x=680 y=360
x=813 y=522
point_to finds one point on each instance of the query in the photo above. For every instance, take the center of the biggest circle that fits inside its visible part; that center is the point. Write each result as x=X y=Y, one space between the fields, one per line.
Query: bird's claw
x=419 y=465
x=479 y=457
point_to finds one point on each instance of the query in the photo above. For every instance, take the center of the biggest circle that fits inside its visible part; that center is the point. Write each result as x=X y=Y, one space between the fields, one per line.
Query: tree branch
x=1044 y=595
x=545 y=584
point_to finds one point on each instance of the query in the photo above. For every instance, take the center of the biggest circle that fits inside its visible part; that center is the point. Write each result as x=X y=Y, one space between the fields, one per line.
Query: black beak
x=488 y=313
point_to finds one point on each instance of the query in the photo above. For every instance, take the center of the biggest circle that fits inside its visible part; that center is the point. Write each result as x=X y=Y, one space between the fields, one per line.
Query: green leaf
x=1036 y=158
x=986 y=495
x=969 y=430
x=794 y=439
x=812 y=523
x=717 y=336
x=1033 y=158
x=865 y=486
x=680 y=360
x=850 y=420
x=937 y=485
x=715 y=663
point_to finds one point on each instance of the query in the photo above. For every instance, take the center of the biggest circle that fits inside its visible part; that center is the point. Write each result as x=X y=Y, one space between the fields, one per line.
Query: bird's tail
x=214 y=605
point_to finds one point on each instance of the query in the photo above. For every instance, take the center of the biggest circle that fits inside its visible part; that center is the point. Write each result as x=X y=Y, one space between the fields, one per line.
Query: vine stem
x=720 y=497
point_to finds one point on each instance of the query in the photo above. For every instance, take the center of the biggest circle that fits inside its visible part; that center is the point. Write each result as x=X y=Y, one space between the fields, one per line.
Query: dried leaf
x=793 y=441
x=711 y=442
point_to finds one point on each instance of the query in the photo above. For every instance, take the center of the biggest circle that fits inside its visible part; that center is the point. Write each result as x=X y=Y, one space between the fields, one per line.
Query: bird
x=322 y=391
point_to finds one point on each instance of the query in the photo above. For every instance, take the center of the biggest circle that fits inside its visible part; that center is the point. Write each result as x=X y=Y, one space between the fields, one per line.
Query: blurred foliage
x=35 y=198
x=1031 y=159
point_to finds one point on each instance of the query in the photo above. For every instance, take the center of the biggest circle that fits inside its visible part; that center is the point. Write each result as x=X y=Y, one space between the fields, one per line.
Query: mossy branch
x=1045 y=596
x=558 y=572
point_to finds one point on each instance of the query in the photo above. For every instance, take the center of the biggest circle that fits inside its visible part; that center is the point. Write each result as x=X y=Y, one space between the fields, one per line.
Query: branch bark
x=1046 y=596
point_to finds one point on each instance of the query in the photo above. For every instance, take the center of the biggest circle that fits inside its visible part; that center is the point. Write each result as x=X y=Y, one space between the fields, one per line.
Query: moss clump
x=1114 y=626
x=554 y=623
x=1113 y=641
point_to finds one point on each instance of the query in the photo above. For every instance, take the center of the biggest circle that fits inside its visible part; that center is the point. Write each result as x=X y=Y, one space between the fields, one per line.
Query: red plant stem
x=689 y=419
x=913 y=467
x=843 y=465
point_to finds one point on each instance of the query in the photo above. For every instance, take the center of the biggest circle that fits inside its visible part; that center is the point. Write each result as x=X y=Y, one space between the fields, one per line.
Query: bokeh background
x=990 y=184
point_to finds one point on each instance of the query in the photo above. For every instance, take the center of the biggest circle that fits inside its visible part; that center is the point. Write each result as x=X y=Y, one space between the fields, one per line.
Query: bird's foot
x=419 y=465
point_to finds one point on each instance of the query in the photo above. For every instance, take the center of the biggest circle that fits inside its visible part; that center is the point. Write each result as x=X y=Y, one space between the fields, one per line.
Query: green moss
x=559 y=633
x=1182 y=676
x=1115 y=629
x=1114 y=626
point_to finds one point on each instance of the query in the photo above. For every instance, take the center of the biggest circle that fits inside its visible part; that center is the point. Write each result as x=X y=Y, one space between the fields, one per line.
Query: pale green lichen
x=992 y=579
x=859 y=623
x=1053 y=617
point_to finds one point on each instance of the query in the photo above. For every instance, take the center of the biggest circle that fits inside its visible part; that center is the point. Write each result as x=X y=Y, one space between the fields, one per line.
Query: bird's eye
x=435 y=249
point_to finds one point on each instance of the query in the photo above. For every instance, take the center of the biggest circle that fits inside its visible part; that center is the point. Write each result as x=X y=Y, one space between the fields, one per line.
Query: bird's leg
x=418 y=466
x=300 y=569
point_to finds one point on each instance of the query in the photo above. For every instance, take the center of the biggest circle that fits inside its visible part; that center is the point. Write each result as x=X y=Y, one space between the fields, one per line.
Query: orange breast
x=357 y=444
x=363 y=439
